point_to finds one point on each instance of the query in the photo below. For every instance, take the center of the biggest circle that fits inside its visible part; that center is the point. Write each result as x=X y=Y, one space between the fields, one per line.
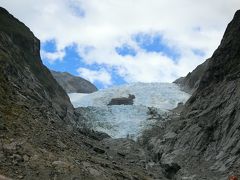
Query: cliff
x=204 y=141
x=191 y=82
x=22 y=74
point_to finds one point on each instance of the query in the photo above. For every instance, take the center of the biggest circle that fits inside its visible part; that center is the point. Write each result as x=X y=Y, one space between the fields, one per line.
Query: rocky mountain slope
x=204 y=142
x=23 y=76
x=191 y=82
x=73 y=84
x=40 y=136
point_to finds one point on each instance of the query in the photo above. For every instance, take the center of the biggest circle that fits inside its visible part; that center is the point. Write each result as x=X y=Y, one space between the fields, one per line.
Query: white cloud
x=100 y=75
x=103 y=25
x=53 y=56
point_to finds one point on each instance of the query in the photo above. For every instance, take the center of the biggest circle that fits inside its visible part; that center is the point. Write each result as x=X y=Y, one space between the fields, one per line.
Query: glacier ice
x=123 y=120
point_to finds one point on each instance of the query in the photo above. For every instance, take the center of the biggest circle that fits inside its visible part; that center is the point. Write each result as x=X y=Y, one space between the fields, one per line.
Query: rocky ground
x=54 y=153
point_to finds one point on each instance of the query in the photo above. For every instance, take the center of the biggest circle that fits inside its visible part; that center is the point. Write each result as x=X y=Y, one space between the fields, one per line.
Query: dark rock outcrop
x=122 y=100
x=191 y=82
x=205 y=140
x=23 y=76
x=214 y=107
x=73 y=84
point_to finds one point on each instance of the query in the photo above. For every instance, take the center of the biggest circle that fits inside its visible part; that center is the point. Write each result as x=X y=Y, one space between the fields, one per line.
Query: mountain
x=23 y=76
x=43 y=137
x=204 y=142
x=73 y=84
x=40 y=132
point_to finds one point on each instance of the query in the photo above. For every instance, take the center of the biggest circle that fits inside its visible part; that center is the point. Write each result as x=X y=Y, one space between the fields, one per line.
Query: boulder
x=122 y=100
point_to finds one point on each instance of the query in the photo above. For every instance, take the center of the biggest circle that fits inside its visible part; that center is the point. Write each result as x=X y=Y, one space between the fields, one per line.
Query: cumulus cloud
x=92 y=75
x=192 y=28
x=53 y=56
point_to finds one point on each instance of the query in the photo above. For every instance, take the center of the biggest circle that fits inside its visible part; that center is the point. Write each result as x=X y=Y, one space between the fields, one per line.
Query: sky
x=112 y=42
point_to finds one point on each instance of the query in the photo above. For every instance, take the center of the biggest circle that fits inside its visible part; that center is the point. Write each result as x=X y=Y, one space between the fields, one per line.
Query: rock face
x=205 y=140
x=191 y=82
x=73 y=84
x=122 y=100
x=22 y=74
x=214 y=107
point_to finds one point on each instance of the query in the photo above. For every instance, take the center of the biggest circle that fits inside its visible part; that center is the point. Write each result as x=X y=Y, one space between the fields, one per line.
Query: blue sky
x=72 y=60
x=155 y=43
x=113 y=42
x=69 y=63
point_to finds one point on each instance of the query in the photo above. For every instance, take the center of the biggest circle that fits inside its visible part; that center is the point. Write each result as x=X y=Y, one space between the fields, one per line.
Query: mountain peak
x=73 y=84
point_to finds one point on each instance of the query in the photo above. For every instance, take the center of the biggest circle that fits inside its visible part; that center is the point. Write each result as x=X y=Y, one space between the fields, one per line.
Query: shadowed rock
x=205 y=140
x=122 y=100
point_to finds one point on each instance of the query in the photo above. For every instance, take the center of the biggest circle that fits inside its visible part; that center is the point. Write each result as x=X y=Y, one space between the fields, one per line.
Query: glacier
x=152 y=102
